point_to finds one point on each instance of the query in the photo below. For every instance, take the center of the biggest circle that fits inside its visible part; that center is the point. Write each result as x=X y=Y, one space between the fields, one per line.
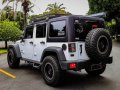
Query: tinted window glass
x=57 y=29
x=40 y=31
x=29 y=32
x=83 y=26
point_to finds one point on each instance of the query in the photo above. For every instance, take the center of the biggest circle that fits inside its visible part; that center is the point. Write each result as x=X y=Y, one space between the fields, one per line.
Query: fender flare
x=16 y=50
x=57 y=50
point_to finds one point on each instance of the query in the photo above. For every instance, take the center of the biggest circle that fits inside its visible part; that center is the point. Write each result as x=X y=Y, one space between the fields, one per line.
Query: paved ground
x=29 y=78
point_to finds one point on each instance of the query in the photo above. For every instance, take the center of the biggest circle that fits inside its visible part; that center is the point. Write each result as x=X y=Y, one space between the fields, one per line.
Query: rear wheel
x=51 y=71
x=13 y=61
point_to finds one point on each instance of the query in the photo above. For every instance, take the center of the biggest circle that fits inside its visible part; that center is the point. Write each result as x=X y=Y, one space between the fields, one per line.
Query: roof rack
x=47 y=17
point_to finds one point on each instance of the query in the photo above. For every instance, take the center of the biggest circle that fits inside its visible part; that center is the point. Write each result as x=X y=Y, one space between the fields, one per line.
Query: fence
x=2 y=44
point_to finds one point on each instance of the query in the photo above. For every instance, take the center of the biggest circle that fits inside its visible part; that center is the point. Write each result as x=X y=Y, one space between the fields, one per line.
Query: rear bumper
x=65 y=65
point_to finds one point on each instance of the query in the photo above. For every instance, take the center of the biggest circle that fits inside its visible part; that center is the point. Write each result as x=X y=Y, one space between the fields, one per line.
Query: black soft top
x=45 y=20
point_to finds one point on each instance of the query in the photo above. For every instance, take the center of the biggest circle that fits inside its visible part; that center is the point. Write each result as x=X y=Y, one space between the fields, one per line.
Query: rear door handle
x=42 y=42
x=31 y=42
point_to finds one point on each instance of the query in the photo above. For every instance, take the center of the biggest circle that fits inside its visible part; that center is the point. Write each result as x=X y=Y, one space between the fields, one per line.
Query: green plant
x=3 y=51
x=112 y=8
x=9 y=31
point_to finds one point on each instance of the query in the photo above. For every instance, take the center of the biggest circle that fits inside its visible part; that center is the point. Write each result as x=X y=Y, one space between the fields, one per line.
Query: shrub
x=9 y=31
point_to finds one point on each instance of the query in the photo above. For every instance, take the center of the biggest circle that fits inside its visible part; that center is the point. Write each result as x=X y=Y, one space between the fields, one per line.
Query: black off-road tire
x=95 y=72
x=98 y=44
x=56 y=77
x=13 y=61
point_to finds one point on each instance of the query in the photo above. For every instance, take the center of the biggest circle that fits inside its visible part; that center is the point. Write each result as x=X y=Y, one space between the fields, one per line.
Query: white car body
x=34 y=51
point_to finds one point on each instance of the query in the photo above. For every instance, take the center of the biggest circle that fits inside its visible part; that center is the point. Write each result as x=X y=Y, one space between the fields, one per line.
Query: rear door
x=82 y=28
x=82 y=55
x=39 y=41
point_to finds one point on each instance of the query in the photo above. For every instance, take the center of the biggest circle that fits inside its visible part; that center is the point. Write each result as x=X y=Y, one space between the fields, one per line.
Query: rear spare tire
x=98 y=44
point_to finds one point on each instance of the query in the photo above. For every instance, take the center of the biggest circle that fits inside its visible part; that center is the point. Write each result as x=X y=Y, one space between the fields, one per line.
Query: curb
x=3 y=53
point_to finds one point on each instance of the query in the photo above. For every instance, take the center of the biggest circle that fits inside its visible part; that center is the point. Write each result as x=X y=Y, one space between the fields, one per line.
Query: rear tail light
x=72 y=47
x=94 y=26
x=72 y=65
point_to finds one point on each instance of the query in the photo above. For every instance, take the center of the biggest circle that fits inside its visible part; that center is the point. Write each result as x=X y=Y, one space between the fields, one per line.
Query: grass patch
x=2 y=51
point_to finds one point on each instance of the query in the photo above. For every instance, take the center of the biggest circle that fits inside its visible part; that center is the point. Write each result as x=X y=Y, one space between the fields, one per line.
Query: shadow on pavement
x=82 y=80
x=72 y=80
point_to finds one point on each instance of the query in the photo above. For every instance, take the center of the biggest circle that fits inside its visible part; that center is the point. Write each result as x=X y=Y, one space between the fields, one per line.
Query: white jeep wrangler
x=58 y=44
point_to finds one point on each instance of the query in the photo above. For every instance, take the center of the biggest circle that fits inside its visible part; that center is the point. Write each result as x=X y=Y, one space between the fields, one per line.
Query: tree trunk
x=15 y=12
x=25 y=6
x=5 y=44
x=116 y=26
x=25 y=20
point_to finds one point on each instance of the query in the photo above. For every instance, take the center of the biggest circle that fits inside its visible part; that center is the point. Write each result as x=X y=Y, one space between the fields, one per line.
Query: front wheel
x=13 y=61
x=97 y=69
x=51 y=71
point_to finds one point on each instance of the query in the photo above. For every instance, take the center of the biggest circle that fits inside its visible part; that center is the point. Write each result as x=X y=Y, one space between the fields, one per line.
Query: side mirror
x=22 y=38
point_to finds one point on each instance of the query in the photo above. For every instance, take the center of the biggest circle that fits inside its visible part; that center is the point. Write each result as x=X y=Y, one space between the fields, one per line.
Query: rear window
x=83 y=26
x=57 y=29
